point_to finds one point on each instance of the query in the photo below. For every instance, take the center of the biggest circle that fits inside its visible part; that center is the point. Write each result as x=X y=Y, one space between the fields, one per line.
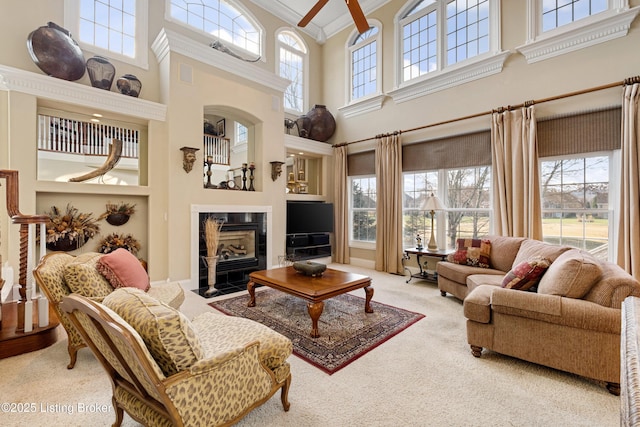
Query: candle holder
x=244 y=177
x=209 y=163
x=252 y=167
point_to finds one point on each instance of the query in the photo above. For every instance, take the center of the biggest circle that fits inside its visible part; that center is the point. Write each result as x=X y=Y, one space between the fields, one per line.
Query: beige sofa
x=572 y=323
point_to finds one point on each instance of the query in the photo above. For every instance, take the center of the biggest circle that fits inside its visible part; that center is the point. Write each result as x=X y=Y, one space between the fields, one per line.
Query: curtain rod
x=627 y=81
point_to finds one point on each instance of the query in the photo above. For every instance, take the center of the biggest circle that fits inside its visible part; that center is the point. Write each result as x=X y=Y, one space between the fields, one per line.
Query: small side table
x=440 y=255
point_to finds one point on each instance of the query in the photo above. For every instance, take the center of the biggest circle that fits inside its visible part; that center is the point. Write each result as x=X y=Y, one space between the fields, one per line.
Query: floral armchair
x=59 y=274
x=168 y=371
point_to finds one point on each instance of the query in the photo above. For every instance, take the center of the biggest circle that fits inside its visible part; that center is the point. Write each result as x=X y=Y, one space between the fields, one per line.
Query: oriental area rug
x=346 y=331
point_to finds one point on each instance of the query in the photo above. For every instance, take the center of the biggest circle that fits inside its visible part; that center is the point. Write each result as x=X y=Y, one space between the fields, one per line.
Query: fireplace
x=242 y=249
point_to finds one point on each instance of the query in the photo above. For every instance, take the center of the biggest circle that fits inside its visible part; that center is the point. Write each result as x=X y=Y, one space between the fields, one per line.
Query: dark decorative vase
x=318 y=124
x=117 y=219
x=101 y=72
x=65 y=244
x=129 y=84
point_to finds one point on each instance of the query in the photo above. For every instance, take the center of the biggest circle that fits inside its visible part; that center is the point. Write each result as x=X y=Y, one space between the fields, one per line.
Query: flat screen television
x=309 y=217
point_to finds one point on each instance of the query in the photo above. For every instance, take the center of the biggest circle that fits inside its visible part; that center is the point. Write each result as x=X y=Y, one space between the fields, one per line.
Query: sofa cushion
x=531 y=248
x=613 y=287
x=504 y=250
x=82 y=276
x=122 y=269
x=166 y=332
x=527 y=274
x=474 y=252
x=475 y=280
x=459 y=273
x=571 y=275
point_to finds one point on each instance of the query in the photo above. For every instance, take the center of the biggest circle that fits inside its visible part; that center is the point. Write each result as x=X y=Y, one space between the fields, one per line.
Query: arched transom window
x=225 y=20
x=292 y=59
x=364 y=54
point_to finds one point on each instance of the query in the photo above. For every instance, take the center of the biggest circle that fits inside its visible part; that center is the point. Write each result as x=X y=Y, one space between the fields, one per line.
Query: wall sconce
x=188 y=158
x=276 y=169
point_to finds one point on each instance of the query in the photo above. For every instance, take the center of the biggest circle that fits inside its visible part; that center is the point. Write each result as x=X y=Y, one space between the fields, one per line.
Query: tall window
x=459 y=29
x=556 y=13
x=466 y=194
x=241 y=134
x=117 y=29
x=292 y=57
x=224 y=19
x=362 y=209
x=364 y=57
x=575 y=202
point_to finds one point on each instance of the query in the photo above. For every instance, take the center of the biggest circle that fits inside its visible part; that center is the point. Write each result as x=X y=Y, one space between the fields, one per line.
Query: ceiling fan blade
x=313 y=12
x=358 y=16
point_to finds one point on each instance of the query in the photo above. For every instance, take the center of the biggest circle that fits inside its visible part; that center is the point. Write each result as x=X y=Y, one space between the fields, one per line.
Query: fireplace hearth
x=242 y=249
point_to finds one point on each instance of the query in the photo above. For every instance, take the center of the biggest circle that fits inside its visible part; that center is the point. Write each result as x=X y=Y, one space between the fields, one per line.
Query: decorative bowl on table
x=309 y=268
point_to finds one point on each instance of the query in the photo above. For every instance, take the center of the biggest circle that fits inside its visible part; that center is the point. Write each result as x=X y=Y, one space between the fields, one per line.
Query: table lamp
x=432 y=204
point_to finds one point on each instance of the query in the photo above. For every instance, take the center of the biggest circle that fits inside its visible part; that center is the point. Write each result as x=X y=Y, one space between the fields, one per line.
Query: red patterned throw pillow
x=474 y=252
x=527 y=274
x=122 y=269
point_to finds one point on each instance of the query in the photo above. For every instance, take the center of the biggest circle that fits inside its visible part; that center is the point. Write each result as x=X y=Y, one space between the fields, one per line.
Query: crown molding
x=608 y=28
x=362 y=106
x=169 y=41
x=59 y=90
x=451 y=77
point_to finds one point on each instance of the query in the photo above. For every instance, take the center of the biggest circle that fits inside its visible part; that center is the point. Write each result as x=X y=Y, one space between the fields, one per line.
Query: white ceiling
x=333 y=17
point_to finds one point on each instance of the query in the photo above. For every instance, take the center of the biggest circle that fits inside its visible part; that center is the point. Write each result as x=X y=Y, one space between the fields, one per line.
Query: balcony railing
x=218 y=149
x=72 y=136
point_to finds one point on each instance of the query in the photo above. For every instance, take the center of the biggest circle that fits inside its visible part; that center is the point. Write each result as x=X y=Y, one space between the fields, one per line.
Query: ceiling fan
x=354 y=8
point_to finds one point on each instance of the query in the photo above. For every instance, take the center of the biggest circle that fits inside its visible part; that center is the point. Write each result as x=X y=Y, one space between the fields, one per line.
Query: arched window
x=227 y=21
x=364 y=64
x=436 y=34
x=292 y=62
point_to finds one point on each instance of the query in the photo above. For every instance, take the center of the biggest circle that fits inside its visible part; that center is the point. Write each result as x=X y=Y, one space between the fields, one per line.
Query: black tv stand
x=308 y=246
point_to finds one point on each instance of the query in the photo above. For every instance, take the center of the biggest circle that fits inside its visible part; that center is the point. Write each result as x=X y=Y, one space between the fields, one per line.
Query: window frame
x=141 y=58
x=444 y=77
x=591 y=30
x=237 y=49
x=441 y=220
x=362 y=244
x=373 y=102
x=305 y=66
x=352 y=46
x=613 y=196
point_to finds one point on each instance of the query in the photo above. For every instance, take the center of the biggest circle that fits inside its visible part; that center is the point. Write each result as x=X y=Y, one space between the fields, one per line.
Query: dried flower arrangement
x=114 y=241
x=118 y=214
x=212 y=228
x=70 y=229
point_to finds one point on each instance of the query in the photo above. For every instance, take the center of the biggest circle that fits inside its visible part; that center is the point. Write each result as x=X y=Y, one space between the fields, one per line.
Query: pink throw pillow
x=122 y=269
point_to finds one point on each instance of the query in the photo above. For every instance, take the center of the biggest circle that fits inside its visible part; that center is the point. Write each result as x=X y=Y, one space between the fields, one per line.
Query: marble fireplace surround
x=196 y=210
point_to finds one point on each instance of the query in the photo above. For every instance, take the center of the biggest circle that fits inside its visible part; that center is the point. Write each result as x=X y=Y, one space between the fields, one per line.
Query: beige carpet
x=424 y=376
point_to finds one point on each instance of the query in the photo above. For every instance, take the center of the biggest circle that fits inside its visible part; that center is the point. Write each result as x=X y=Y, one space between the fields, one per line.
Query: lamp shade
x=432 y=203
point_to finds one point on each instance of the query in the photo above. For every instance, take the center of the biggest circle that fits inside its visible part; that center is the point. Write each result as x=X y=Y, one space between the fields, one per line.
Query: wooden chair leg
x=284 y=396
x=119 y=413
x=73 y=355
x=476 y=351
x=614 y=388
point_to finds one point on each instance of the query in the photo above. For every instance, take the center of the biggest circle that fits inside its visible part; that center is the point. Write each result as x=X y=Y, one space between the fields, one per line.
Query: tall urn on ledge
x=212 y=237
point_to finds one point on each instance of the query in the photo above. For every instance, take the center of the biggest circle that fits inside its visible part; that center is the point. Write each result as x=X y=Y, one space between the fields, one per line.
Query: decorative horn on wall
x=115 y=151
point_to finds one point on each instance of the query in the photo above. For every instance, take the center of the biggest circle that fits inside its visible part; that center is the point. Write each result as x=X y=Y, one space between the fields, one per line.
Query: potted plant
x=70 y=229
x=118 y=214
x=114 y=241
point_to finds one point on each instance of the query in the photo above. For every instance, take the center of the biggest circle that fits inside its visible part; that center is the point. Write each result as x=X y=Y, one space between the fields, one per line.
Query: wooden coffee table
x=313 y=289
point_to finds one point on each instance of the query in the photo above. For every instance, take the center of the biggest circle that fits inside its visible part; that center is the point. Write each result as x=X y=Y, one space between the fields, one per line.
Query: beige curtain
x=389 y=204
x=629 y=212
x=516 y=181
x=341 y=206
